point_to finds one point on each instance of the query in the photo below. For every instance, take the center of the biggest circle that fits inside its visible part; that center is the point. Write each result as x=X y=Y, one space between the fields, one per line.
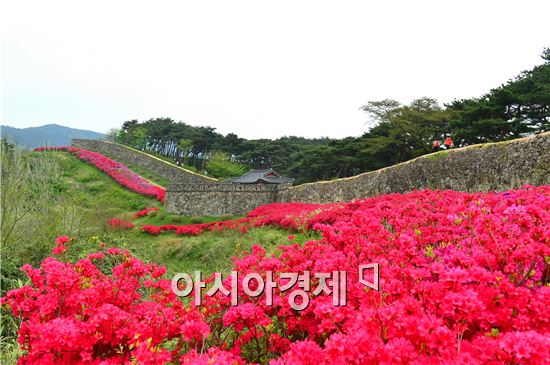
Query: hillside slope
x=100 y=198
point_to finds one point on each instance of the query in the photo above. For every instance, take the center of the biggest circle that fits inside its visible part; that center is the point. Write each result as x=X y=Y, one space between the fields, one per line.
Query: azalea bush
x=108 y=307
x=118 y=171
x=195 y=229
x=120 y=224
x=464 y=279
x=293 y=216
x=145 y=212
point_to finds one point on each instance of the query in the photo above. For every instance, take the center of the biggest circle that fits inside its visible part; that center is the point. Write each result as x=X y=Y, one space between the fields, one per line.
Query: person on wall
x=448 y=144
x=436 y=145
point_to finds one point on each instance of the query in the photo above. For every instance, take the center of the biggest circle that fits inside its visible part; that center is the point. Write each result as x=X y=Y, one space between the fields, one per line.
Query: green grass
x=100 y=198
x=162 y=217
x=437 y=155
x=149 y=175
x=94 y=189
x=208 y=252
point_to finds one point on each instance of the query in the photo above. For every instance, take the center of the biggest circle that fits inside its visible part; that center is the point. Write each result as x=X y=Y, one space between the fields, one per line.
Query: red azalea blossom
x=117 y=223
x=195 y=330
x=62 y=240
x=59 y=249
x=464 y=279
x=144 y=212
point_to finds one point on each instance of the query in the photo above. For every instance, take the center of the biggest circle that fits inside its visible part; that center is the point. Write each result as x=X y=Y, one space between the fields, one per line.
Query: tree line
x=396 y=133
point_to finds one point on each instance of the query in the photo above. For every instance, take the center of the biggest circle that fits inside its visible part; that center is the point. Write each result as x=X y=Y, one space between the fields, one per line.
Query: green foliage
x=517 y=108
x=438 y=155
x=209 y=252
x=32 y=212
x=112 y=134
x=132 y=134
x=494 y=333
x=406 y=131
x=220 y=166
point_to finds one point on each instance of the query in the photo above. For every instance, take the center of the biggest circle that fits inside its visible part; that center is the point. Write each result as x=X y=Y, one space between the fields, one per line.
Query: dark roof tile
x=257 y=176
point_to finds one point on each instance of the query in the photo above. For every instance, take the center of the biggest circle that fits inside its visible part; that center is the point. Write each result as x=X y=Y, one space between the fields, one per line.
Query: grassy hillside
x=101 y=198
x=81 y=202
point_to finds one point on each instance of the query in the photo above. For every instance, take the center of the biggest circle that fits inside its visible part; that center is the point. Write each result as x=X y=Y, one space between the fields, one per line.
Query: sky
x=260 y=69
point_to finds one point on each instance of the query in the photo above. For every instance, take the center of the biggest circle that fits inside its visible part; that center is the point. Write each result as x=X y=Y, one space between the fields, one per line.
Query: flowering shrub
x=144 y=212
x=117 y=223
x=119 y=172
x=60 y=246
x=464 y=280
x=198 y=228
x=292 y=216
x=108 y=308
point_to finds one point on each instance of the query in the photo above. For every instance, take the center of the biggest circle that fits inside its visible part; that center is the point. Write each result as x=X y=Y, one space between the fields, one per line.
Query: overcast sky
x=256 y=68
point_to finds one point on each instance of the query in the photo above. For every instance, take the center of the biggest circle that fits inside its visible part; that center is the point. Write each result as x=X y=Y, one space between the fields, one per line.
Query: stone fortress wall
x=483 y=167
x=144 y=160
x=218 y=199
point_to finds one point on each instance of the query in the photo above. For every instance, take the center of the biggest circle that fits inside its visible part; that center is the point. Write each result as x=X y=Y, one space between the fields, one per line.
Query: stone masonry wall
x=217 y=199
x=129 y=155
x=490 y=166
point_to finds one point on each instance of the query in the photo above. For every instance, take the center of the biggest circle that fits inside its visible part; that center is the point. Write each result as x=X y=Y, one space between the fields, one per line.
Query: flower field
x=118 y=171
x=464 y=279
x=293 y=216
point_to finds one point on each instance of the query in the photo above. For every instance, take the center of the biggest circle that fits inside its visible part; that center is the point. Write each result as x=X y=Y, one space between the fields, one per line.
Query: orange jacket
x=448 y=142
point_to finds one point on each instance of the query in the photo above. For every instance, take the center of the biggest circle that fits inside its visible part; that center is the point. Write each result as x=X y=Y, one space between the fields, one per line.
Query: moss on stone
x=437 y=155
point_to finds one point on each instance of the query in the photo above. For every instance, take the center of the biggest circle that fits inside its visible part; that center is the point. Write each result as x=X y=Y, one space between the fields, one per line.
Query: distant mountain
x=49 y=134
